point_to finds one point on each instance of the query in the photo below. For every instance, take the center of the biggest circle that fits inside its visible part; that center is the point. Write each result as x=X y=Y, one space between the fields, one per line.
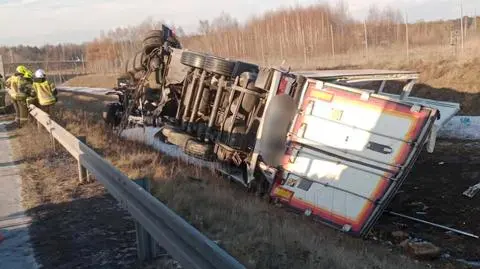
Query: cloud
x=38 y=22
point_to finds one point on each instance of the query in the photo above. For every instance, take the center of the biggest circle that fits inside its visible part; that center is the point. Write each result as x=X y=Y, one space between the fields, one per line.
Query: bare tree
x=204 y=27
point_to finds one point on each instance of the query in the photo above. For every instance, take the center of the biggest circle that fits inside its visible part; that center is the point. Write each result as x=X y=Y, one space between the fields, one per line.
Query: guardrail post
x=147 y=248
x=54 y=146
x=83 y=175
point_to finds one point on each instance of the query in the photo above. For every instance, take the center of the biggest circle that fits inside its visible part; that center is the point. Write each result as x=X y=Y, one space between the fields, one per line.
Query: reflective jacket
x=16 y=85
x=45 y=92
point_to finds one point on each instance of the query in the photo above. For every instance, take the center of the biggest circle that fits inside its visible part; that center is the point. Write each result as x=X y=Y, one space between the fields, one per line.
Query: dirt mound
x=446 y=80
x=470 y=102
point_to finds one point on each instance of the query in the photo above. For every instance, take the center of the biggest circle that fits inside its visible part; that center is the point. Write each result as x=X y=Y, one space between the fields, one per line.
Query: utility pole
x=461 y=24
x=475 y=21
x=366 y=37
x=12 y=59
x=407 y=40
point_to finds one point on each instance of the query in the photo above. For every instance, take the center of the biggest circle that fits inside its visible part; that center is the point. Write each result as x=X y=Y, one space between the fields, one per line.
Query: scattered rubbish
x=433 y=224
x=472 y=191
x=404 y=243
x=195 y=179
x=400 y=235
x=421 y=249
x=419 y=205
x=445 y=256
x=400 y=225
x=470 y=263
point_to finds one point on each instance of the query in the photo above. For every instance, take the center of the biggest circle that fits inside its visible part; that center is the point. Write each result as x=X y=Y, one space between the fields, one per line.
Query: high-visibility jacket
x=16 y=87
x=44 y=91
x=2 y=95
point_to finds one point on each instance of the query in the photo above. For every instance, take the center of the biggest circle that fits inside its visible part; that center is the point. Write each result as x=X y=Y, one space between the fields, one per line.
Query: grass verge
x=259 y=234
x=93 y=81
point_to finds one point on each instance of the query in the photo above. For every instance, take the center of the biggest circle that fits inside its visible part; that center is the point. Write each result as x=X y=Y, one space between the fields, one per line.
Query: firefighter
x=28 y=88
x=2 y=95
x=19 y=90
x=45 y=91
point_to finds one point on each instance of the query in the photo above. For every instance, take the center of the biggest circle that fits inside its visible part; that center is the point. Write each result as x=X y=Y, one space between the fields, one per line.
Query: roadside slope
x=260 y=235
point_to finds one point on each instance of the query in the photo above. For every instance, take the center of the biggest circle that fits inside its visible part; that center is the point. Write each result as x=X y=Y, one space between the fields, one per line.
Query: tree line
x=296 y=32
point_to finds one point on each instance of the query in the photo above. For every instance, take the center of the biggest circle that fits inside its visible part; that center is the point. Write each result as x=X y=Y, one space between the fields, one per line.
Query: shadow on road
x=84 y=233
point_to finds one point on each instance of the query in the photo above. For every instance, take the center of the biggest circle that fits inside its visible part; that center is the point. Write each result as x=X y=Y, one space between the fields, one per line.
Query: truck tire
x=127 y=67
x=220 y=66
x=192 y=59
x=241 y=67
x=189 y=144
x=153 y=39
x=139 y=61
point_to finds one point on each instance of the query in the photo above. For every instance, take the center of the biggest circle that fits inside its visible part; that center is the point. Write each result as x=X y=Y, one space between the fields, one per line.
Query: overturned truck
x=326 y=143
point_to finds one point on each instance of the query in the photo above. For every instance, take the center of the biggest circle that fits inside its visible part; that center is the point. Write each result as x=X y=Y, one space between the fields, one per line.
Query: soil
x=433 y=192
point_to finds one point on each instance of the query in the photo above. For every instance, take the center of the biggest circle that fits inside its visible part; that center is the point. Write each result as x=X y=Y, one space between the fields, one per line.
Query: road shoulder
x=15 y=247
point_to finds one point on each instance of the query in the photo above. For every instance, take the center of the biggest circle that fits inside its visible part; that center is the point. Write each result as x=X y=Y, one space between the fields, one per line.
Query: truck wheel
x=188 y=144
x=199 y=150
x=241 y=67
x=153 y=39
x=139 y=61
x=220 y=66
x=192 y=59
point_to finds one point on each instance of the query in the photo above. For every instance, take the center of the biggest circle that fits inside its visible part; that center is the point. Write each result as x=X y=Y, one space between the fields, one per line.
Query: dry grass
x=74 y=226
x=46 y=175
x=93 y=81
x=259 y=234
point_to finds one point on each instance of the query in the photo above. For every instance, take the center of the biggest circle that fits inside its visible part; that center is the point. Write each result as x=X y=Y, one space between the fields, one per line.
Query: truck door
x=348 y=153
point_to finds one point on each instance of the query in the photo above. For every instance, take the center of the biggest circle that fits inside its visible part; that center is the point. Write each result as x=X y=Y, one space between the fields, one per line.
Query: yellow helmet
x=21 y=69
x=28 y=74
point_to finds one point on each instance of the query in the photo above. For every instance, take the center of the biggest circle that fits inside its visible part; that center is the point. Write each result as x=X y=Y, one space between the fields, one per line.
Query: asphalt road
x=15 y=248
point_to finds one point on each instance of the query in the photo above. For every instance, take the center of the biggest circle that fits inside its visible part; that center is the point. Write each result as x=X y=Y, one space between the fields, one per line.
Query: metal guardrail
x=182 y=241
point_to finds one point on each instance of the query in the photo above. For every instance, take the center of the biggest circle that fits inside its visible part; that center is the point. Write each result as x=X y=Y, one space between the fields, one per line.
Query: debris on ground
x=400 y=235
x=421 y=249
x=475 y=264
x=472 y=191
x=434 y=224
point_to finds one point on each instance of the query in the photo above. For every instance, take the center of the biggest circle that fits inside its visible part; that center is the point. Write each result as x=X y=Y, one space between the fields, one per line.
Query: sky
x=37 y=22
